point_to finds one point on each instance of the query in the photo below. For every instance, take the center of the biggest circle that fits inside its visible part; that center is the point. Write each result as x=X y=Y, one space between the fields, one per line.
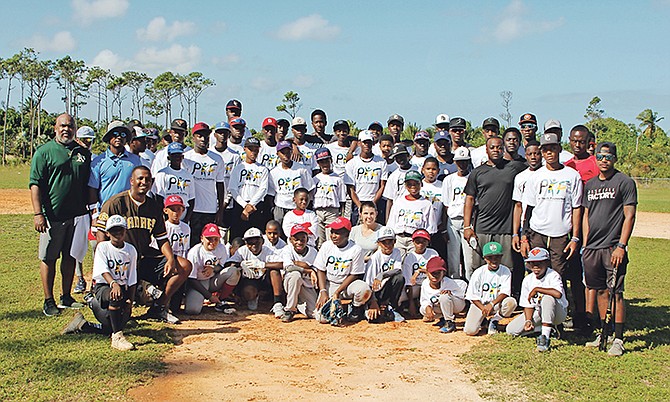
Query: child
x=441 y=295
x=330 y=195
x=411 y=212
x=175 y=180
x=234 y=245
x=489 y=292
x=341 y=150
x=302 y=215
x=272 y=237
x=542 y=298
x=383 y=274
x=115 y=276
x=284 y=179
x=178 y=232
x=414 y=268
x=395 y=186
x=208 y=274
x=299 y=274
x=340 y=270
x=431 y=189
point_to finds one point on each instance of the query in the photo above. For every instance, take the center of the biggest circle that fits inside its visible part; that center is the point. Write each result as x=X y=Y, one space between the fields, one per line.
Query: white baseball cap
x=365 y=135
x=298 y=121
x=116 y=221
x=85 y=132
x=252 y=232
x=385 y=233
x=462 y=154
x=441 y=119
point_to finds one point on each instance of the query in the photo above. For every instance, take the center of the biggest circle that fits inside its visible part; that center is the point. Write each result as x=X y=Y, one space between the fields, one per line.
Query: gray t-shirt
x=367 y=243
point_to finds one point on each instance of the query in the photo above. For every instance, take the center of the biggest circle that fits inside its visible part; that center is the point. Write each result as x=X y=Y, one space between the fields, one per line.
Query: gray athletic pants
x=298 y=293
x=194 y=299
x=549 y=311
x=447 y=306
x=473 y=321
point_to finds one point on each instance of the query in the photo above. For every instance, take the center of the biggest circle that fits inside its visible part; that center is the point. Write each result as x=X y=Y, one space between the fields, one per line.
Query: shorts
x=598 y=269
x=56 y=240
x=151 y=269
x=261 y=284
x=102 y=291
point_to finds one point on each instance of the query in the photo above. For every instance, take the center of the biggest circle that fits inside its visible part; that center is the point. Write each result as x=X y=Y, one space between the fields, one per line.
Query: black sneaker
x=66 y=301
x=356 y=314
x=50 y=309
x=287 y=316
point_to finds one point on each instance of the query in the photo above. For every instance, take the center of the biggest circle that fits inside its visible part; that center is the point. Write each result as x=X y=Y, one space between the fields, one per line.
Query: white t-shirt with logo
x=433 y=193
x=519 y=189
x=428 y=292
x=406 y=216
x=289 y=255
x=249 y=183
x=169 y=182
x=380 y=263
x=453 y=196
x=207 y=170
x=284 y=182
x=121 y=263
x=200 y=257
x=295 y=217
x=478 y=156
x=161 y=160
x=179 y=237
x=339 y=155
x=307 y=151
x=267 y=156
x=276 y=248
x=236 y=148
x=244 y=254
x=485 y=285
x=330 y=191
x=550 y=280
x=338 y=263
x=365 y=176
x=414 y=262
x=230 y=160
x=395 y=185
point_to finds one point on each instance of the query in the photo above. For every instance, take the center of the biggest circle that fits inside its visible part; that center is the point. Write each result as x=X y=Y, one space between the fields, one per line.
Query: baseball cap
x=462 y=154
x=138 y=132
x=300 y=228
x=115 y=221
x=298 y=121
x=421 y=135
x=442 y=135
x=376 y=124
x=179 y=124
x=549 y=138
x=151 y=133
x=322 y=153
x=395 y=117
x=211 y=230
x=85 y=132
x=413 y=175
x=173 y=199
x=399 y=149
x=610 y=145
x=283 y=122
x=365 y=135
x=457 y=122
x=234 y=104
x=238 y=121
x=252 y=232
x=134 y=123
x=175 y=148
x=269 y=121
x=200 y=127
x=385 y=233
x=537 y=254
x=528 y=118
x=340 y=123
x=115 y=126
x=435 y=263
x=421 y=233
x=552 y=123
x=283 y=145
x=491 y=121
x=252 y=142
x=442 y=119
x=492 y=248
x=222 y=125
x=340 y=223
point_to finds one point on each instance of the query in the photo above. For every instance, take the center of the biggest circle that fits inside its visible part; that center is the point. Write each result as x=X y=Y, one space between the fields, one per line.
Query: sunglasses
x=529 y=125
x=119 y=134
x=607 y=157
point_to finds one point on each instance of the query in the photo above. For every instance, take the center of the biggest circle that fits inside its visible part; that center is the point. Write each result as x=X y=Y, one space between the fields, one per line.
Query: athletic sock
x=277 y=299
x=546 y=331
x=618 y=330
x=115 y=319
x=226 y=291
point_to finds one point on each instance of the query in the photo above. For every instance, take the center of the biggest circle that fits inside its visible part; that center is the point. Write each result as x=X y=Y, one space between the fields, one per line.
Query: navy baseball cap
x=376 y=124
x=252 y=142
x=457 y=122
x=234 y=104
x=442 y=135
x=322 y=153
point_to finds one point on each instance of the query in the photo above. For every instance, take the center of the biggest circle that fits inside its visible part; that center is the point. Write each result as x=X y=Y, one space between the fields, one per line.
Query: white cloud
x=61 y=42
x=85 y=11
x=312 y=27
x=226 y=61
x=304 y=81
x=515 y=22
x=111 y=61
x=263 y=84
x=176 y=58
x=159 y=30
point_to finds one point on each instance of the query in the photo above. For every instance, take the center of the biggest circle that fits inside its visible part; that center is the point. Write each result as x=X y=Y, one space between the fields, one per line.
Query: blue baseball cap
x=222 y=125
x=175 y=148
x=442 y=135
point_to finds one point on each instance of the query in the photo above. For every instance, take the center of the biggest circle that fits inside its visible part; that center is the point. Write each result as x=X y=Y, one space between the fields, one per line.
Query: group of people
x=432 y=227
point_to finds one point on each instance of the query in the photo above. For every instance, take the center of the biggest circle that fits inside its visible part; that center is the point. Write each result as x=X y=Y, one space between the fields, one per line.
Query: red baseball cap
x=339 y=223
x=173 y=200
x=269 y=121
x=200 y=127
x=422 y=233
x=301 y=228
x=435 y=264
x=211 y=230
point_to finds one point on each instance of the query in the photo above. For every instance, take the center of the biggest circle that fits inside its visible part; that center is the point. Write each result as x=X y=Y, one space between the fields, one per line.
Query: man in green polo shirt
x=58 y=186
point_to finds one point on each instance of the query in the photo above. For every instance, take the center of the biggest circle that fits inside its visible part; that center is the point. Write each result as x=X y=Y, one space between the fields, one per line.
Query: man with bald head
x=59 y=175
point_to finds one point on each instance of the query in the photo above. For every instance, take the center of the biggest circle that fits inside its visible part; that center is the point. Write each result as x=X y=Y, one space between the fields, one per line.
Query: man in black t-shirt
x=610 y=201
x=490 y=188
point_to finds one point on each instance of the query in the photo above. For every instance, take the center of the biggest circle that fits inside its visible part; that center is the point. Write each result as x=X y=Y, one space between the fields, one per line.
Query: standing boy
x=365 y=175
x=453 y=198
x=330 y=195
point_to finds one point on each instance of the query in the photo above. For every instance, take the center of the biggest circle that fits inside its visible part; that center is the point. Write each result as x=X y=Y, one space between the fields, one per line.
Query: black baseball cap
x=179 y=124
x=340 y=123
x=252 y=142
x=457 y=122
x=491 y=121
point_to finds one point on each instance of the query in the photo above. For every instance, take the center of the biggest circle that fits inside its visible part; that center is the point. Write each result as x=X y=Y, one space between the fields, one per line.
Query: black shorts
x=598 y=269
x=101 y=292
x=260 y=284
x=151 y=269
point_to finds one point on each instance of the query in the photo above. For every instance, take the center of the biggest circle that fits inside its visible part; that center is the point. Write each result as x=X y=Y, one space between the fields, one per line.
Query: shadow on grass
x=22 y=315
x=649 y=324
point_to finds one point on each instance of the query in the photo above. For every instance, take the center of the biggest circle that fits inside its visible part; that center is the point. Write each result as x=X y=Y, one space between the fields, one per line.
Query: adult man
x=528 y=125
x=396 y=125
x=268 y=152
x=490 y=128
x=319 y=123
x=303 y=152
x=554 y=126
x=512 y=140
x=152 y=142
x=610 y=201
x=365 y=175
x=177 y=132
x=85 y=137
x=59 y=173
x=230 y=160
x=442 y=122
x=238 y=127
x=457 y=132
x=553 y=195
x=208 y=173
x=442 y=152
x=490 y=187
x=144 y=217
x=137 y=144
x=110 y=171
x=282 y=129
x=234 y=111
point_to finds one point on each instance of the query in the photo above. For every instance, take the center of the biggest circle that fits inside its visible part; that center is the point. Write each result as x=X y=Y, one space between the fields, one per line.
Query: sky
x=366 y=60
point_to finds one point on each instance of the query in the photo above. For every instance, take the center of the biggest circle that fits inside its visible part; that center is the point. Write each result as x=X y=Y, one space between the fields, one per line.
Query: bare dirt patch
x=15 y=201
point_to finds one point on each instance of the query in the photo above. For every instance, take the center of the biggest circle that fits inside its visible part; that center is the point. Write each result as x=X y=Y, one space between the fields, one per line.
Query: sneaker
x=169 y=318
x=50 y=309
x=278 y=310
x=596 y=342
x=253 y=304
x=493 y=327
x=224 y=308
x=119 y=342
x=154 y=312
x=440 y=323
x=75 y=324
x=287 y=316
x=356 y=314
x=81 y=286
x=617 y=348
x=542 y=343
x=66 y=301
x=88 y=297
x=450 y=326
x=397 y=317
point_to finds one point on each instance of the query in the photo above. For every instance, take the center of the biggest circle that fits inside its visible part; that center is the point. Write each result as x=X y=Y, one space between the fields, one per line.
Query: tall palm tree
x=648 y=120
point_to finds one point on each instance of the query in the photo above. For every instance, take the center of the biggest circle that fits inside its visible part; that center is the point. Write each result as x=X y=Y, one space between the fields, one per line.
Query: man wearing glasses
x=457 y=133
x=528 y=125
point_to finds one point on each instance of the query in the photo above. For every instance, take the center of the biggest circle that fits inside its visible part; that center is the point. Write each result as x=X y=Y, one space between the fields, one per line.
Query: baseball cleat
x=50 y=309
x=75 y=325
x=66 y=301
x=449 y=327
x=278 y=310
x=543 y=343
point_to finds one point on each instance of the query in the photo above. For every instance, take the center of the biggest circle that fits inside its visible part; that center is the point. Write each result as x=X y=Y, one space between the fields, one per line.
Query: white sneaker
x=493 y=327
x=169 y=317
x=278 y=310
x=617 y=348
x=119 y=342
x=253 y=304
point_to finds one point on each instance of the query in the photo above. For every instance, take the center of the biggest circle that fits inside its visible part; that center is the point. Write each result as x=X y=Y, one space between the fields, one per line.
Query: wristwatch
x=621 y=245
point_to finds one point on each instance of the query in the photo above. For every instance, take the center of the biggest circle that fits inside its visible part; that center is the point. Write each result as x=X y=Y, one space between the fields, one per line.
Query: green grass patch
x=654 y=196
x=572 y=372
x=36 y=362
x=16 y=176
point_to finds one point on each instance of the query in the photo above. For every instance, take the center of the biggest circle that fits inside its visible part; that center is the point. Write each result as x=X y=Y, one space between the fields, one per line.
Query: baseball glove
x=333 y=312
x=253 y=269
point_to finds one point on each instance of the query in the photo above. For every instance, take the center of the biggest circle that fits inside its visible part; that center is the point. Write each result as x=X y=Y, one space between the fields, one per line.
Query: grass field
x=14 y=176
x=572 y=372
